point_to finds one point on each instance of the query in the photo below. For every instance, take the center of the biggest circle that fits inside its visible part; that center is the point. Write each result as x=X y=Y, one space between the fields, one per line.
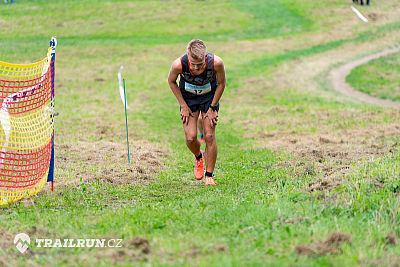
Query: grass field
x=306 y=176
x=379 y=78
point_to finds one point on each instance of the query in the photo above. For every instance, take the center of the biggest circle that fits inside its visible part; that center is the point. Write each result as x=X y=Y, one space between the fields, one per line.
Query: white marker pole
x=358 y=13
x=122 y=92
x=121 y=86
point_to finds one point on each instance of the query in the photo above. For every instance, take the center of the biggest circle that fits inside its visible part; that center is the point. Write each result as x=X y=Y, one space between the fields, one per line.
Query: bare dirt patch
x=386 y=260
x=195 y=251
x=192 y=252
x=331 y=155
x=6 y=240
x=374 y=16
x=220 y=247
x=391 y=239
x=332 y=245
x=136 y=249
x=107 y=161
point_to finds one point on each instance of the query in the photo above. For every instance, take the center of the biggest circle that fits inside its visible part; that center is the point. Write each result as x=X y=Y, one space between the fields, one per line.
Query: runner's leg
x=191 y=134
x=211 y=144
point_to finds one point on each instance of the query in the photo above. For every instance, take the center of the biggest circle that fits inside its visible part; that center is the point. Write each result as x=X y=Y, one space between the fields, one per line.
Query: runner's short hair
x=197 y=49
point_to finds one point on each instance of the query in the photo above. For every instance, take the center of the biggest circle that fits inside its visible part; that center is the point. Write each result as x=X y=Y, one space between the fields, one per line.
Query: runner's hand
x=212 y=116
x=185 y=113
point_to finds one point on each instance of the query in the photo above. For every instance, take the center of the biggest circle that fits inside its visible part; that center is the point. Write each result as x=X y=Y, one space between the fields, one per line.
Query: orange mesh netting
x=26 y=116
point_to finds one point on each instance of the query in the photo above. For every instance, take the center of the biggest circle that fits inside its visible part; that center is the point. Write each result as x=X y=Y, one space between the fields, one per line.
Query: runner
x=201 y=85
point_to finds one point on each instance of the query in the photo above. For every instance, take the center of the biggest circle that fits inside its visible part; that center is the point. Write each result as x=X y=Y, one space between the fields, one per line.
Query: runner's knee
x=209 y=137
x=191 y=139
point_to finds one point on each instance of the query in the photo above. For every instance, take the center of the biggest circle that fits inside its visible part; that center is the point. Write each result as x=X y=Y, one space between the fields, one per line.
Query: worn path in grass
x=338 y=80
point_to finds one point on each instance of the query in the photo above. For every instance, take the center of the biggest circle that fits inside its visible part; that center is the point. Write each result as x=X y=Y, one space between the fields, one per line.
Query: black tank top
x=195 y=85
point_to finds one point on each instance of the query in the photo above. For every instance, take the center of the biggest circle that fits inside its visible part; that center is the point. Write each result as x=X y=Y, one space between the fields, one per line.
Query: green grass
x=378 y=78
x=261 y=209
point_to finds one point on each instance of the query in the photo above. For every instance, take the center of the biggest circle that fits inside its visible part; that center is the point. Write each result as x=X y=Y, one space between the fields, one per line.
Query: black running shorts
x=200 y=102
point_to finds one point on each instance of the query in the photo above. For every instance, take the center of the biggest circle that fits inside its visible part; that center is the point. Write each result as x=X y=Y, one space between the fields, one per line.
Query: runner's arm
x=220 y=72
x=176 y=69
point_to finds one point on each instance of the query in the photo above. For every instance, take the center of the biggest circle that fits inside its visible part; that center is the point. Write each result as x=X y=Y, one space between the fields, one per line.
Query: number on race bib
x=197 y=89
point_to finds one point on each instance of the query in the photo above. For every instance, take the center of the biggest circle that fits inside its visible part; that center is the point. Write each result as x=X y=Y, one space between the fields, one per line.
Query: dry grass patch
x=332 y=245
x=107 y=161
x=332 y=155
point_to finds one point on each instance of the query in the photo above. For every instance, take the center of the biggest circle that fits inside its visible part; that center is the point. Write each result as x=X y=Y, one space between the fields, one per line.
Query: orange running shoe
x=199 y=167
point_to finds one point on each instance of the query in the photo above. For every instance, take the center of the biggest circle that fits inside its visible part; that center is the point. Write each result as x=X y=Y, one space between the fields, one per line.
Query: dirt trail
x=338 y=80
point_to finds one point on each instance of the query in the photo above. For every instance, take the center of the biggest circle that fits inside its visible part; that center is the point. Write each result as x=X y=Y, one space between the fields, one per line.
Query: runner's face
x=196 y=66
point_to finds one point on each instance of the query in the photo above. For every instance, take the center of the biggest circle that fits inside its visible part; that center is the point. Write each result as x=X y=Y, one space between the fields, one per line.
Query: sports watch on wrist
x=213 y=108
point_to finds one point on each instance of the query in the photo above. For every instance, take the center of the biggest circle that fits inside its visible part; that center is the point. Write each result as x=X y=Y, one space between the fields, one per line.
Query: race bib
x=198 y=89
